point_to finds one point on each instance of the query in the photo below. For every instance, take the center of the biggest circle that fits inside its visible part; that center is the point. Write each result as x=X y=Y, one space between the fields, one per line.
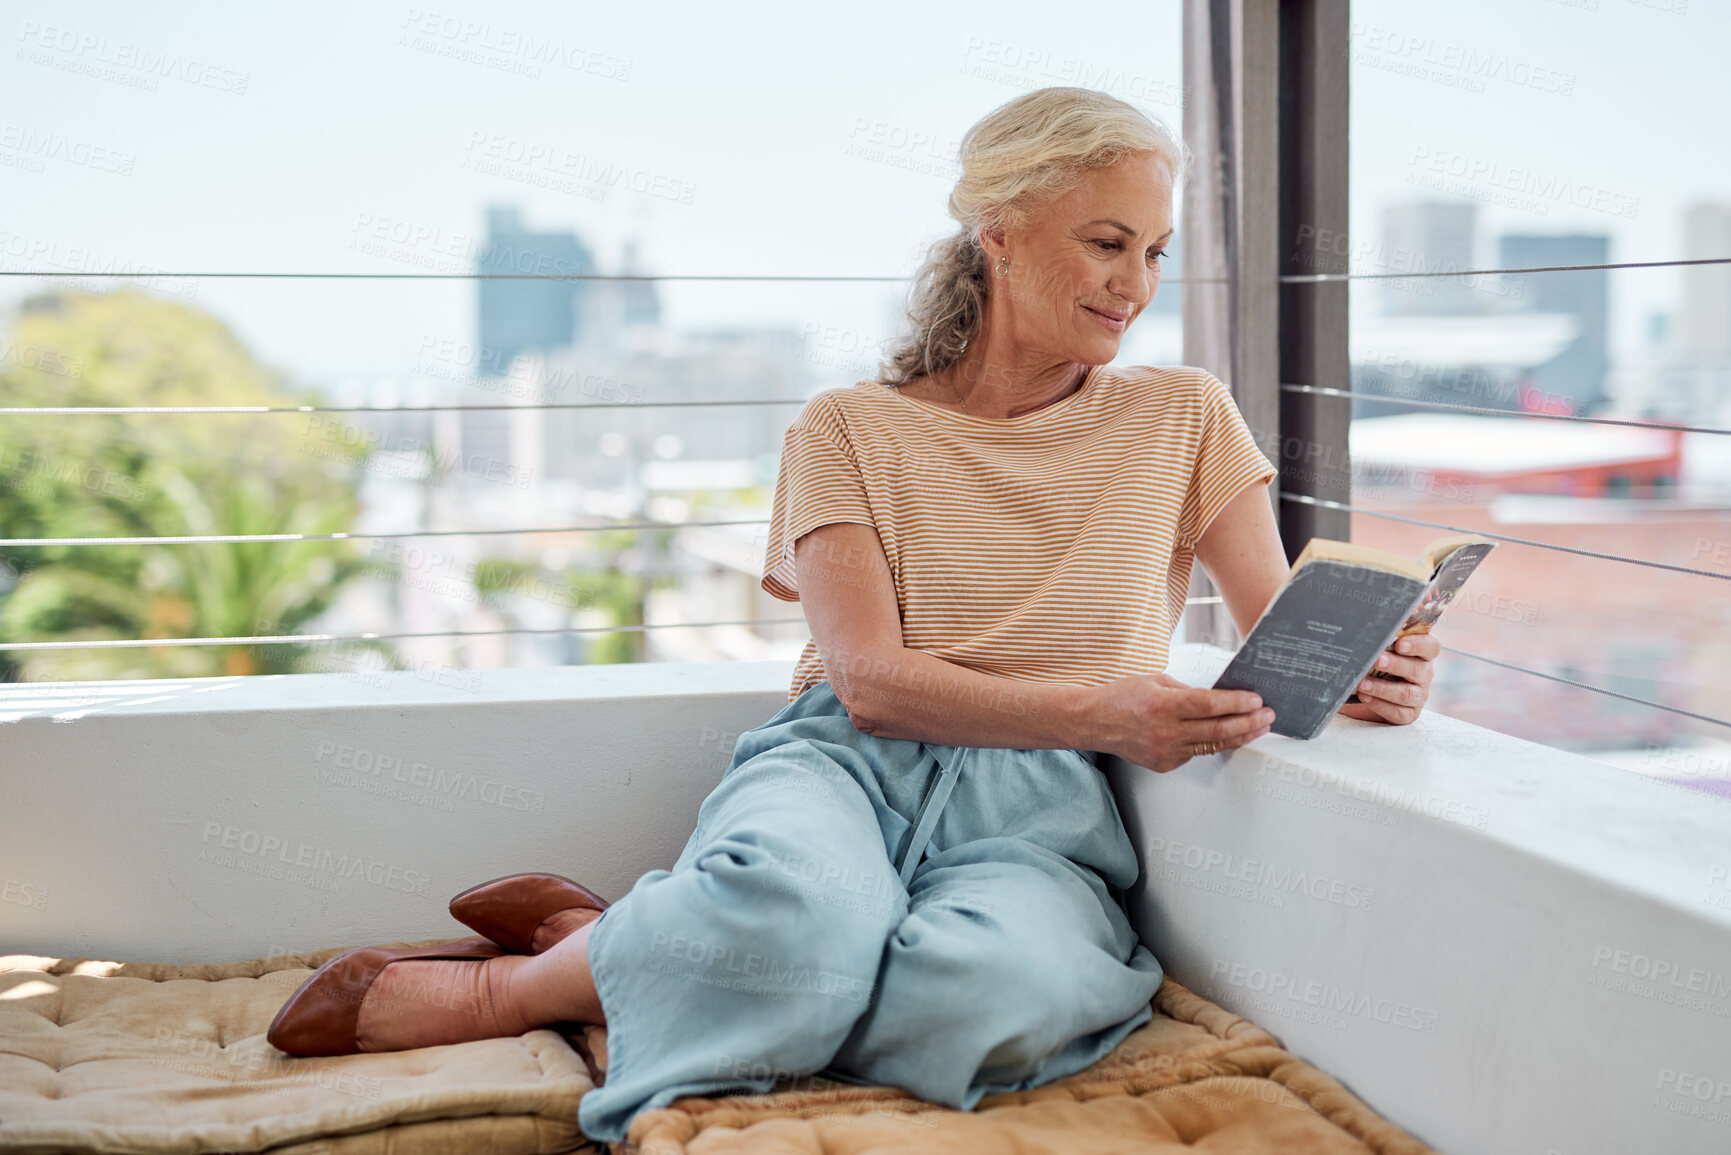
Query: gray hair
x=1018 y=157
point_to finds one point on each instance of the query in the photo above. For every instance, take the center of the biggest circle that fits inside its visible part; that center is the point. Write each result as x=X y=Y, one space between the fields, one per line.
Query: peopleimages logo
x=1718 y=887
x=442 y=783
x=1261 y=873
x=1661 y=980
x=1688 y=1093
x=1544 y=188
x=1381 y=794
x=270 y=854
x=89 y=54
x=1339 y=1000
x=724 y=966
x=1660 y=970
x=23 y=894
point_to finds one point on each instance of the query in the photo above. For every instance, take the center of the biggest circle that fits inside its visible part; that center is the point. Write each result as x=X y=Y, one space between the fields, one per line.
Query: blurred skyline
x=767 y=139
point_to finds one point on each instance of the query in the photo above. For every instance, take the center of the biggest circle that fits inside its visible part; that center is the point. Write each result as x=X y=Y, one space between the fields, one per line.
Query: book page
x=1455 y=568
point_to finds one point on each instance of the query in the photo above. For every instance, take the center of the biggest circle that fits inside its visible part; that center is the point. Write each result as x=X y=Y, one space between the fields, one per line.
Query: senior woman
x=910 y=875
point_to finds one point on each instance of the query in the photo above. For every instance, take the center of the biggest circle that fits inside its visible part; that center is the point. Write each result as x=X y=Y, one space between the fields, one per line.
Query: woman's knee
x=1018 y=946
x=985 y=939
x=804 y=887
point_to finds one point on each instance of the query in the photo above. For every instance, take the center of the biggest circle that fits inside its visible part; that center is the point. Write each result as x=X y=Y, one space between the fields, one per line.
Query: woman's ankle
x=556 y=986
x=435 y=1002
x=561 y=925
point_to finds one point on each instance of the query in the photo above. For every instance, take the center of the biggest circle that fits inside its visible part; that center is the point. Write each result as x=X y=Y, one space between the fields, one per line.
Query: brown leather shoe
x=508 y=910
x=319 y=1018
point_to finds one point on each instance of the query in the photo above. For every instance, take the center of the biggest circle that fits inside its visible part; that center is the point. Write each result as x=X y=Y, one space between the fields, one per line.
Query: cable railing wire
x=363 y=276
x=310 y=639
x=113 y=410
x=797 y=278
x=1646 y=495
x=254 y=538
x=1318 y=278
x=1285 y=278
x=1330 y=391
x=326 y=639
x=1322 y=390
x=1306 y=499
x=1589 y=686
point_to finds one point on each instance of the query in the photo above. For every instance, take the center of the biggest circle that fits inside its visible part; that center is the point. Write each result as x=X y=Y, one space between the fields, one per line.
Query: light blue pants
x=786 y=942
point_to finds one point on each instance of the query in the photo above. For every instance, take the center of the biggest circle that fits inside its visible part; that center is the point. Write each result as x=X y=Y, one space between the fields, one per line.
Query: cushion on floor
x=1195 y=1077
x=153 y=1058
x=159 y=1059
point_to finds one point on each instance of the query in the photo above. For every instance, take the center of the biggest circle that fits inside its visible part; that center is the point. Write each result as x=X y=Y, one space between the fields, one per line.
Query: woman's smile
x=1117 y=323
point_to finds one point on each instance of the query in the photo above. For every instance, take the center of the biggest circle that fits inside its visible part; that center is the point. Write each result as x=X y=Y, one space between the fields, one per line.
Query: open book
x=1340 y=607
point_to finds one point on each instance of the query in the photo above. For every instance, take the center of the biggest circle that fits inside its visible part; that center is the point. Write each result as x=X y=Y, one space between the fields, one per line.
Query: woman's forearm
x=910 y=694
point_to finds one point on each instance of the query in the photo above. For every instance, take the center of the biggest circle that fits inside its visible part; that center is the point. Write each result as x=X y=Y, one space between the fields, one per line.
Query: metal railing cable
x=325 y=639
x=313 y=639
x=1306 y=499
x=114 y=410
x=457 y=407
x=309 y=639
x=796 y=278
x=1329 y=391
x=1285 y=278
x=135 y=274
x=1589 y=686
x=1320 y=278
x=248 y=538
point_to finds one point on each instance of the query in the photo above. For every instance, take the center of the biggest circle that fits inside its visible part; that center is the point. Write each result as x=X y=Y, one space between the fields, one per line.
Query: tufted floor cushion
x=156 y=1058
x=1196 y=1077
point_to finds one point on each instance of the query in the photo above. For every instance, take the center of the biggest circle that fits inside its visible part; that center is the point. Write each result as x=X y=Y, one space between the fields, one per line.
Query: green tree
x=159 y=475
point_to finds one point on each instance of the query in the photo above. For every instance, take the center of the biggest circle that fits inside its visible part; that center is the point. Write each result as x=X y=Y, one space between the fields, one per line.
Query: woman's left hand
x=1400 y=698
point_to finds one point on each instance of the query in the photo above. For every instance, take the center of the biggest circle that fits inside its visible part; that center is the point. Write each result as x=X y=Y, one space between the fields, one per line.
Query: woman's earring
x=1003 y=264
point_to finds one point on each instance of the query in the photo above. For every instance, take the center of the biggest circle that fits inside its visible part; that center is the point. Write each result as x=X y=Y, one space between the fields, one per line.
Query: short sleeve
x=1227 y=460
x=817 y=483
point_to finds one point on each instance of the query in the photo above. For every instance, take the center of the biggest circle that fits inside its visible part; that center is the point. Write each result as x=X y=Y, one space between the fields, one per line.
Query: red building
x=1655 y=634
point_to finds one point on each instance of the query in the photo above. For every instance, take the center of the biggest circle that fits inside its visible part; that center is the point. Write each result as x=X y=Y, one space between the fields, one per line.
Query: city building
x=1602 y=491
x=517 y=315
x=1533 y=343
x=1704 y=329
x=1468 y=457
x=1577 y=372
x=1428 y=237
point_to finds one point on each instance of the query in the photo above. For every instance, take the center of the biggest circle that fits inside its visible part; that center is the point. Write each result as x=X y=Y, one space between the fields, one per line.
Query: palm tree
x=151 y=475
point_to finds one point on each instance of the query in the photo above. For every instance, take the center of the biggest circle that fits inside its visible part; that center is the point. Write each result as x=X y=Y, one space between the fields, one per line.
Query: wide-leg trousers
x=878 y=910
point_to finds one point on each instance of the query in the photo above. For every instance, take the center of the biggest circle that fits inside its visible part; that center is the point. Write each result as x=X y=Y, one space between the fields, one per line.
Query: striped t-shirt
x=1051 y=547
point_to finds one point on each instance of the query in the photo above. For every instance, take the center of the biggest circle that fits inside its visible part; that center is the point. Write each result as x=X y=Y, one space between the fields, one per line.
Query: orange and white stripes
x=1051 y=547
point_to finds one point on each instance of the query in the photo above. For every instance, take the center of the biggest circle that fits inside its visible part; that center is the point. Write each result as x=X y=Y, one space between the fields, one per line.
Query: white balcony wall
x=1503 y=947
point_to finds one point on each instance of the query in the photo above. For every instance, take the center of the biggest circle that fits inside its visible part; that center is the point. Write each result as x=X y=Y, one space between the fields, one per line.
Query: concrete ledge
x=1504 y=947
x=226 y=818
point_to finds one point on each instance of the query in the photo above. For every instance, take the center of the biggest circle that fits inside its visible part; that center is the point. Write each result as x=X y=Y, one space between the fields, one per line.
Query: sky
x=761 y=138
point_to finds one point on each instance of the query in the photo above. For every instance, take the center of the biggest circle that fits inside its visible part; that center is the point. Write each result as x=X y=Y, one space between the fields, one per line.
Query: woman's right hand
x=1154 y=720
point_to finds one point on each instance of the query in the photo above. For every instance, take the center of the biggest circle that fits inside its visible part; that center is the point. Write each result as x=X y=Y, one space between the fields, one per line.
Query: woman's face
x=1084 y=266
